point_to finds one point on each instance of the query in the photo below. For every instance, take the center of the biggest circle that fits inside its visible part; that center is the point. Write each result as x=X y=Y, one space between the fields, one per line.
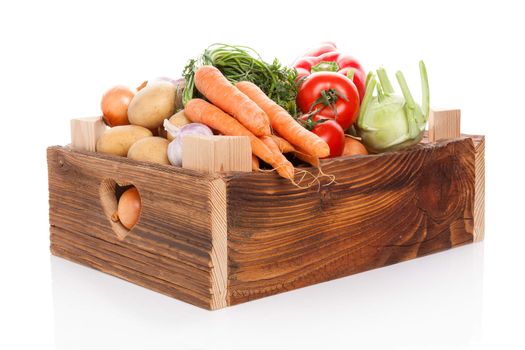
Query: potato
x=152 y=105
x=118 y=139
x=150 y=149
x=179 y=119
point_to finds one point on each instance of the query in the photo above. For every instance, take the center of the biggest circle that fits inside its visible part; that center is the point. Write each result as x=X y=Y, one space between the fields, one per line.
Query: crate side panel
x=383 y=209
x=170 y=244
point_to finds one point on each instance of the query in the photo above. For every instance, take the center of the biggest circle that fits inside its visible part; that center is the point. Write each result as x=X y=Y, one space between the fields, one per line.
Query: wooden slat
x=218 y=240
x=382 y=209
x=479 y=197
x=174 y=226
x=219 y=254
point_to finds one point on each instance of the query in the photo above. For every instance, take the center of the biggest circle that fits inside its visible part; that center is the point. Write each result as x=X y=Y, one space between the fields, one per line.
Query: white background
x=57 y=58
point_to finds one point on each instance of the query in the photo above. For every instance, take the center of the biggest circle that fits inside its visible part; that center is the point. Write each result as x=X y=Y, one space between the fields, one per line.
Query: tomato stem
x=328 y=98
x=309 y=123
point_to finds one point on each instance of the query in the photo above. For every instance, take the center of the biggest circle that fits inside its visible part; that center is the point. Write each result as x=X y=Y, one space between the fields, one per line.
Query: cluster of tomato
x=331 y=88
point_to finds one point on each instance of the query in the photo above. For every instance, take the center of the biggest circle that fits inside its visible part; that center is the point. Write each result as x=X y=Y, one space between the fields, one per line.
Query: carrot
x=255 y=163
x=283 y=164
x=219 y=91
x=200 y=111
x=284 y=146
x=284 y=124
x=314 y=161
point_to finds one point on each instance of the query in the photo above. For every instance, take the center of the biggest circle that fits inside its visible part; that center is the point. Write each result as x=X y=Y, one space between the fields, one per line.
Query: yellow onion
x=129 y=206
x=115 y=104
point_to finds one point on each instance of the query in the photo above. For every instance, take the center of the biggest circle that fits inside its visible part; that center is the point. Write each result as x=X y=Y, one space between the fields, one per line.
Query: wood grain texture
x=219 y=235
x=479 y=198
x=383 y=209
x=444 y=124
x=85 y=132
x=170 y=248
x=215 y=240
x=214 y=154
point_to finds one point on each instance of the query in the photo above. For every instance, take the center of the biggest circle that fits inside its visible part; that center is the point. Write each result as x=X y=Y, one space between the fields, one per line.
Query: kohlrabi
x=389 y=122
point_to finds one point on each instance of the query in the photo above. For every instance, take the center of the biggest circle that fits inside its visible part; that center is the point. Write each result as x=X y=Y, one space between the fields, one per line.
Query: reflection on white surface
x=432 y=303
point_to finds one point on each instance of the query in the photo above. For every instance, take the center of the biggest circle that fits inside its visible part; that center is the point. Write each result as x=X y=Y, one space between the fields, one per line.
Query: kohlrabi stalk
x=388 y=121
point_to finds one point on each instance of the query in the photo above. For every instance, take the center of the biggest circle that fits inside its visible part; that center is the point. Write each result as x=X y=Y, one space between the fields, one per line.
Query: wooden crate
x=215 y=240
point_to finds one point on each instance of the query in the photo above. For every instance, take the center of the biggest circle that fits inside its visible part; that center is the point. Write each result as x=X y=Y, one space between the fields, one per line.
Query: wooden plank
x=174 y=226
x=213 y=154
x=219 y=235
x=381 y=210
x=219 y=240
x=479 y=196
x=85 y=133
x=444 y=124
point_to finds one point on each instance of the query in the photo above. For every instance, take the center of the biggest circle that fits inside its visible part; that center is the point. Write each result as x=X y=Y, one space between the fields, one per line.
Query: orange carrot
x=255 y=163
x=283 y=164
x=219 y=91
x=284 y=146
x=200 y=111
x=284 y=124
x=302 y=155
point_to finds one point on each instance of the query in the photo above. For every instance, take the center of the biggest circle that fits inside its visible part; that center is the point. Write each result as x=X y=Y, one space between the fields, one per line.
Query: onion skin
x=129 y=206
x=115 y=104
x=353 y=147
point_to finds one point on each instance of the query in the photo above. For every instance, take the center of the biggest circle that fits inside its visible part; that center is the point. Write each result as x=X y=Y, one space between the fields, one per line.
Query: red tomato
x=333 y=94
x=333 y=134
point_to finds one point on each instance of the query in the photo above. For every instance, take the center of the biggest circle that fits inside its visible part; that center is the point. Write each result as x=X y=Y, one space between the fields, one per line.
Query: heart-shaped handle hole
x=111 y=192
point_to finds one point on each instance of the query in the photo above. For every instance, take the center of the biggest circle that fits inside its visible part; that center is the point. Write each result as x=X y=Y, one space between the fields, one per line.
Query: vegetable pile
x=241 y=63
x=322 y=106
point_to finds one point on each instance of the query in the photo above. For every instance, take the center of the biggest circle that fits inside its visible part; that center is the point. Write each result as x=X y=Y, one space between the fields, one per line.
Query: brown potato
x=117 y=140
x=150 y=149
x=152 y=105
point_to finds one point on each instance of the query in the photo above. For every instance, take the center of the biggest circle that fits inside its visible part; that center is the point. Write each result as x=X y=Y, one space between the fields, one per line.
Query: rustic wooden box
x=223 y=239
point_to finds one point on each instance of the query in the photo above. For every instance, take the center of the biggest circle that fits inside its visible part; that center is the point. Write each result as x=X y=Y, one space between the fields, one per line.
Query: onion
x=128 y=210
x=175 y=146
x=114 y=105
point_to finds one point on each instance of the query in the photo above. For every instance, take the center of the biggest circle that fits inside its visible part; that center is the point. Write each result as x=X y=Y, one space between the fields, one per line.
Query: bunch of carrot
x=244 y=110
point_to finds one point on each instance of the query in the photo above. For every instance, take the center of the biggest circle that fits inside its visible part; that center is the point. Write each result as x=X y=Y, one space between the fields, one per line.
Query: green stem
x=425 y=105
x=369 y=94
x=380 y=93
x=406 y=91
x=368 y=77
x=413 y=128
x=384 y=81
